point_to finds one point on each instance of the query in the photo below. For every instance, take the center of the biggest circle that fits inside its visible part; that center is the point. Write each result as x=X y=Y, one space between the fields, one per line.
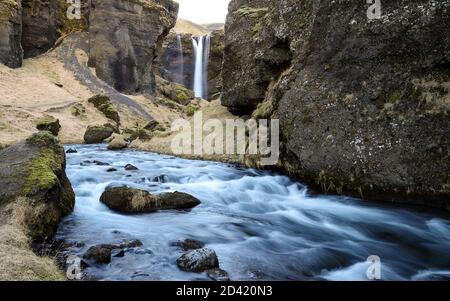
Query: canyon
x=363 y=108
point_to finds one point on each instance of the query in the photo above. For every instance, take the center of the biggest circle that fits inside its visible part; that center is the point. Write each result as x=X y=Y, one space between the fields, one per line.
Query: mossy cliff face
x=125 y=37
x=34 y=182
x=11 y=52
x=363 y=104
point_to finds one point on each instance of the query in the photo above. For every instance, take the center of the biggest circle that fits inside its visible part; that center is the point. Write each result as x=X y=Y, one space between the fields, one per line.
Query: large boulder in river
x=198 y=261
x=129 y=200
x=124 y=40
x=97 y=133
x=34 y=185
x=11 y=52
x=362 y=102
x=48 y=123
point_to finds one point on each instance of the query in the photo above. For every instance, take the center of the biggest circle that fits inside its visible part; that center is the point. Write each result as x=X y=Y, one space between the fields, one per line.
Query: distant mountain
x=185 y=26
x=214 y=26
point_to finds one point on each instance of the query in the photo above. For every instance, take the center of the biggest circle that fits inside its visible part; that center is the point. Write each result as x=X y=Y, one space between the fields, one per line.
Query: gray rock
x=49 y=123
x=97 y=133
x=188 y=244
x=11 y=52
x=218 y=275
x=124 y=39
x=359 y=104
x=39 y=31
x=130 y=167
x=129 y=200
x=198 y=261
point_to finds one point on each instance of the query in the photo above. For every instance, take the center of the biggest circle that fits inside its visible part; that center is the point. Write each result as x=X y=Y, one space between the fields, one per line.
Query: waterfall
x=180 y=71
x=201 y=51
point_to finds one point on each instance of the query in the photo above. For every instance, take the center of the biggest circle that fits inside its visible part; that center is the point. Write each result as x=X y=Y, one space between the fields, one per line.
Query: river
x=262 y=225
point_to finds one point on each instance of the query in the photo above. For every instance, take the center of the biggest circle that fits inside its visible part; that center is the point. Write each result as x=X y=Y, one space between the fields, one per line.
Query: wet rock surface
x=129 y=200
x=198 y=261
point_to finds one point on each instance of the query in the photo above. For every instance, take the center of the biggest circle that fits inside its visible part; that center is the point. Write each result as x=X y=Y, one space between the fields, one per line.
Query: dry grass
x=17 y=261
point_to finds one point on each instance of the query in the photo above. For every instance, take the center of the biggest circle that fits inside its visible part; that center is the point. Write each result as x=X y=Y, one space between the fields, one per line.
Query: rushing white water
x=262 y=225
x=180 y=72
x=201 y=47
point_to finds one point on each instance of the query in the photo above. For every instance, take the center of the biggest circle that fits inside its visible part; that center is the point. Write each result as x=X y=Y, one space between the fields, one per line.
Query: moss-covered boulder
x=138 y=132
x=33 y=180
x=176 y=92
x=48 y=123
x=97 y=133
x=117 y=143
x=129 y=200
x=103 y=103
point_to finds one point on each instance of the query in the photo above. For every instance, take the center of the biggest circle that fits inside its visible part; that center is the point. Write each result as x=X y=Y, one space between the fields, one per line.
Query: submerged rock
x=49 y=123
x=130 y=200
x=97 y=133
x=130 y=167
x=99 y=254
x=198 y=261
x=71 y=151
x=188 y=244
x=218 y=275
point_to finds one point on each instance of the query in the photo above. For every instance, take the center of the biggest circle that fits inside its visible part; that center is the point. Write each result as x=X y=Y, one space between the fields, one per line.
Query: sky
x=203 y=11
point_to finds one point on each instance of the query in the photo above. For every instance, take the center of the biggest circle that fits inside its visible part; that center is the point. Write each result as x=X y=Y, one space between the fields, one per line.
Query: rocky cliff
x=363 y=103
x=124 y=40
x=11 y=52
x=39 y=31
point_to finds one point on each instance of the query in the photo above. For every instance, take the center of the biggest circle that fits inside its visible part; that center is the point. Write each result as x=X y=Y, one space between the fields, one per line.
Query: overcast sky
x=203 y=11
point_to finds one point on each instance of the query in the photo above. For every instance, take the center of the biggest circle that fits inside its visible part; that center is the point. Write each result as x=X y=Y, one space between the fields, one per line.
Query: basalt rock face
x=11 y=52
x=173 y=67
x=215 y=64
x=363 y=103
x=40 y=28
x=125 y=37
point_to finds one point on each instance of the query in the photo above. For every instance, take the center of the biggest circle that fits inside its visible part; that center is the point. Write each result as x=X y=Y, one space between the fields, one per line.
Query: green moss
x=102 y=103
x=190 y=110
x=41 y=172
